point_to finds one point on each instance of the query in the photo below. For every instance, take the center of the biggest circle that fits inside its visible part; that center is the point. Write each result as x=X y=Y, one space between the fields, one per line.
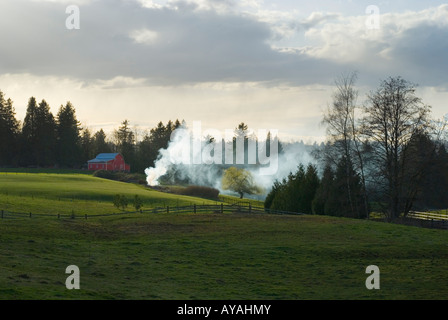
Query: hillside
x=78 y=193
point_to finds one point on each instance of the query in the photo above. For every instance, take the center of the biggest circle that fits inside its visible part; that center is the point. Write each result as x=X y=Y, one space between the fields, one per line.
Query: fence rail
x=428 y=216
x=429 y=219
x=219 y=209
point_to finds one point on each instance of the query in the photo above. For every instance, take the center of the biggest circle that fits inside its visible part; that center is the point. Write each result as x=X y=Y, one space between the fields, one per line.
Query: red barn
x=108 y=161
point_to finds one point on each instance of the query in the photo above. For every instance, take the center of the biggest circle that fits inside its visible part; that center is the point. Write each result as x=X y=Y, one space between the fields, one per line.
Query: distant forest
x=48 y=141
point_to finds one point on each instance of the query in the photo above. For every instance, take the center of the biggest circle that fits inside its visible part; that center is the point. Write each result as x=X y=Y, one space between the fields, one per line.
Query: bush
x=120 y=176
x=104 y=174
x=120 y=201
x=138 y=203
x=200 y=191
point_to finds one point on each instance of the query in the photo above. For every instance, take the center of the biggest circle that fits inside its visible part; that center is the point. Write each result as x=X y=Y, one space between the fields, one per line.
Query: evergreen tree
x=125 y=142
x=38 y=135
x=143 y=156
x=177 y=124
x=324 y=194
x=9 y=132
x=30 y=134
x=169 y=128
x=272 y=194
x=281 y=197
x=442 y=158
x=424 y=182
x=68 y=129
x=46 y=134
x=297 y=192
x=340 y=203
x=159 y=140
x=309 y=188
x=240 y=134
x=86 y=141
x=99 y=144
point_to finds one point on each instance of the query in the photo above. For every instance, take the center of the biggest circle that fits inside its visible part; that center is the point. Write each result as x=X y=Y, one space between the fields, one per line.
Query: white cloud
x=154 y=4
x=197 y=5
x=406 y=43
x=66 y=2
x=144 y=36
x=316 y=18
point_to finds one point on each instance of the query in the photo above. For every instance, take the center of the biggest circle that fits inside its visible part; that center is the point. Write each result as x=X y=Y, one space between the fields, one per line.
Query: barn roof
x=104 y=157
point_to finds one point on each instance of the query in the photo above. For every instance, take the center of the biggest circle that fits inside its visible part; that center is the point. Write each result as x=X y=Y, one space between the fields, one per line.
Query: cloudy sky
x=271 y=64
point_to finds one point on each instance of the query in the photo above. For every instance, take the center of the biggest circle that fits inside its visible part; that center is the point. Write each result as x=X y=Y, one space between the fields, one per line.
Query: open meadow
x=80 y=194
x=200 y=256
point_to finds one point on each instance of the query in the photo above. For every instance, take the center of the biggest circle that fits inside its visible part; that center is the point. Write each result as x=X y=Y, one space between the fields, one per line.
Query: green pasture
x=80 y=194
x=214 y=256
x=167 y=256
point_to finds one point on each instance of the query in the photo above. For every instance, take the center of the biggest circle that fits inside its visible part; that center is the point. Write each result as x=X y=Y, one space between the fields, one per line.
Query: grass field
x=231 y=256
x=205 y=256
x=78 y=193
x=233 y=200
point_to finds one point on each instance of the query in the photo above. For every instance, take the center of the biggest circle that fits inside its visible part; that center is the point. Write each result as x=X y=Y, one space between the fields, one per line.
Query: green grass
x=245 y=201
x=442 y=211
x=230 y=256
x=201 y=256
x=82 y=194
x=46 y=170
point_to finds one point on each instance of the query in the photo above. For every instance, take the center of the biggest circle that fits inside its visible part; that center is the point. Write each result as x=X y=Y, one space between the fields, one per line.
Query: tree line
x=385 y=155
x=45 y=140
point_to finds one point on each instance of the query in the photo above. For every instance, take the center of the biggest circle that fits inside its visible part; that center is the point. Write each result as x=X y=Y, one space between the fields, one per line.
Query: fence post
x=2 y=214
x=30 y=214
x=86 y=216
x=59 y=215
x=167 y=209
x=194 y=208
x=250 y=208
x=222 y=208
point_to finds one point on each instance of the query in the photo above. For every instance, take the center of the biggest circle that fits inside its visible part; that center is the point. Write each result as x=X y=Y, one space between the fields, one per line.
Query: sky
x=270 y=64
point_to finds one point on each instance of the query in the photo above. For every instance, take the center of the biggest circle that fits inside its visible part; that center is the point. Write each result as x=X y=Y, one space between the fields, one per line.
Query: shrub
x=200 y=191
x=120 y=201
x=104 y=174
x=117 y=200
x=120 y=176
x=123 y=202
x=138 y=203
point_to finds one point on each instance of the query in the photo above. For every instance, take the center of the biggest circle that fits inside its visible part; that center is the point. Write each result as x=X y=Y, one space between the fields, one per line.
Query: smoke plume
x=196 y=160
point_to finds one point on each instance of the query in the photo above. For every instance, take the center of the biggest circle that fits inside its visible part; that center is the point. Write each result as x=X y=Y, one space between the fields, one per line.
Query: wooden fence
x=429 y=219
x=424 y=219
x=194 y=209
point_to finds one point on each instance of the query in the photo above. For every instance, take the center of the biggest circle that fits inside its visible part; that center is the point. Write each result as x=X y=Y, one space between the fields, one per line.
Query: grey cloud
x=422 y=53
x=191 y=46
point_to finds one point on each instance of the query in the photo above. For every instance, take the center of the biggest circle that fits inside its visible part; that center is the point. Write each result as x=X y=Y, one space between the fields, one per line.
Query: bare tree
x=342 y=132
x=393 y=116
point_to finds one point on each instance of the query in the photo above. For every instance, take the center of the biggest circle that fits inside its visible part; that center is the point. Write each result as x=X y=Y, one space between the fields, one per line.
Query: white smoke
x=173 y=155
x=190 y=158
